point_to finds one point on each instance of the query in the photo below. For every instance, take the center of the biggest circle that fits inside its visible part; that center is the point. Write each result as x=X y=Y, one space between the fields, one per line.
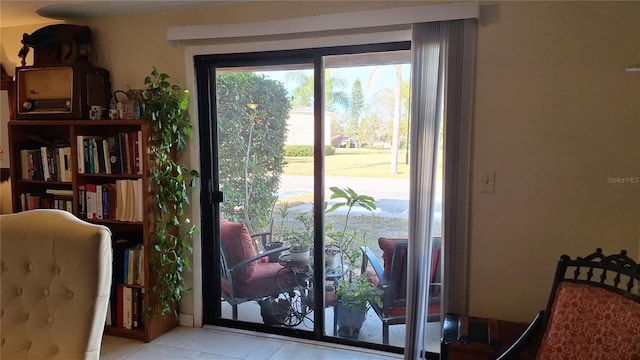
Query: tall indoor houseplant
x=354 y=291
x=165 y=106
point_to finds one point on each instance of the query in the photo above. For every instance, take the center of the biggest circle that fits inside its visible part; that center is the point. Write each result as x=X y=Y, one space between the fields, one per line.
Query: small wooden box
x=472 y=338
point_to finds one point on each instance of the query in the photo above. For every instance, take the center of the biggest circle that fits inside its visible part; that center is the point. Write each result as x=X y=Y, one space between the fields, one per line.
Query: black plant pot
x=350 y=319
x=274 y=312
x=275 y=257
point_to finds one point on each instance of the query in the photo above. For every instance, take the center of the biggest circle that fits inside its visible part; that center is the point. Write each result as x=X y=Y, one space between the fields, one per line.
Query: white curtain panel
x=438 y=57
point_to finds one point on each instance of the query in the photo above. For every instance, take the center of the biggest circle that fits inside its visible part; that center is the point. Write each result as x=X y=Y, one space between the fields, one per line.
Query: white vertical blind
x=441 y=96
x=426 y=97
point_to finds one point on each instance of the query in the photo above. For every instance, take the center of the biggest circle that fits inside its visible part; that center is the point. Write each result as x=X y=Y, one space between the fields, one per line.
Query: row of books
x=47 y=163
x=133 y=265
x=50 y=199
x=128 y=280
x=121 y=201
x=128 y=312
x=119 y=154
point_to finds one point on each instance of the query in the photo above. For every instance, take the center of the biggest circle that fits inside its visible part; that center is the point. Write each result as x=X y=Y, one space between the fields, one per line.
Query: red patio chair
x=392 y=279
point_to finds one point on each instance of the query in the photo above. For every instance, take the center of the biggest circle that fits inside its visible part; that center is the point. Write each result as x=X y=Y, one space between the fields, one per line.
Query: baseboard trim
x=185 y=320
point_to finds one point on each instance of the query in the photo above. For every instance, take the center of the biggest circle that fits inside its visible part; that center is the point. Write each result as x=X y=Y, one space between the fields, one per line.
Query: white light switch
x=489 y=182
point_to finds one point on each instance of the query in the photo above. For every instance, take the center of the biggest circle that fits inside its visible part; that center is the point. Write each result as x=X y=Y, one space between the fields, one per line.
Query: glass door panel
x=266 y=215
x=366 y=179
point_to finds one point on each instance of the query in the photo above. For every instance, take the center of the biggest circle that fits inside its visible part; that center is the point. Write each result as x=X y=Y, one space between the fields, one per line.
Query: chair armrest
x=248 y=261
x=262 y=236
x=530 y=334
x=369 y=256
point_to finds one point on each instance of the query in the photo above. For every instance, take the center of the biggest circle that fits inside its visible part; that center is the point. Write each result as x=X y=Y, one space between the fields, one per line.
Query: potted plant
x=165 y=106
x=352 y=305
x=300 y=240
x=274 y=311
x=354 y=291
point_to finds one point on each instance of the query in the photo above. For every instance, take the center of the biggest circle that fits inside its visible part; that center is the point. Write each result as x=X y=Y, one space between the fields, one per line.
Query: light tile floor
x=231 y=344
x=371 y=329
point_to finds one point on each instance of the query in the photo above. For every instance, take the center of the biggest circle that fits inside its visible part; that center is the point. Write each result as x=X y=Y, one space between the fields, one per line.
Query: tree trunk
x=395 y=138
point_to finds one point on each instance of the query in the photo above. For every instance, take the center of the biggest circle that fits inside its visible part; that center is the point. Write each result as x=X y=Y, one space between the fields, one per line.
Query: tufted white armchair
x=56 y=276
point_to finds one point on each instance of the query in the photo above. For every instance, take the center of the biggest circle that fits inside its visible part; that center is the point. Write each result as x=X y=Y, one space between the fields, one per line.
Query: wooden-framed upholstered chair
x=245 y=274
x=391 y=277
x=56 y=281
x=593 y=312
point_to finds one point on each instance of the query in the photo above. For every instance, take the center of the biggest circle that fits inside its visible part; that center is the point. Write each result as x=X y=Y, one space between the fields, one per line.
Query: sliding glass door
x=306 y=156
x=264 y=215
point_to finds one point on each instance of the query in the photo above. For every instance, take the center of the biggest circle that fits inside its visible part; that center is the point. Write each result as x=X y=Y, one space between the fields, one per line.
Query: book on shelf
x=122 y=153
x=24 y=168
x=99 y=211
x=111 y=199
x=91 y=166
x=129 y=314
x=98 y=154
x=125 y=263
x=63 y=192
x=44 y=200
x=140 y=152
x=127 y=152
x=133 y=265
x=135 y=141
x=46 y=175
x=119 y=306
x=135 y=308
x=82 y=202
x=114 y=155
x=106 y=156
x=64 y=164
x=128 y=308
x=80 y=149
x=90 y=201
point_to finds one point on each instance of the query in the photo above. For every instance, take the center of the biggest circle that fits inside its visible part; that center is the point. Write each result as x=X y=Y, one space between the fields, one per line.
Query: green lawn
x=373 y=163
x=352 y=163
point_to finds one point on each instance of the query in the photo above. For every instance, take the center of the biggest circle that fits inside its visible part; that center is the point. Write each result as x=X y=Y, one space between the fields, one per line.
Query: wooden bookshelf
x=35 y=134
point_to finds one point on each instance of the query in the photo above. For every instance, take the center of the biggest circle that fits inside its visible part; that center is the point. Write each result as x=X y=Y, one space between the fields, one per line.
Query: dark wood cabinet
x=472 y=338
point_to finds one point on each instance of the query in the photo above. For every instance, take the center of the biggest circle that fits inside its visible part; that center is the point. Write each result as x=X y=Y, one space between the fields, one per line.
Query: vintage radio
x=60 y=92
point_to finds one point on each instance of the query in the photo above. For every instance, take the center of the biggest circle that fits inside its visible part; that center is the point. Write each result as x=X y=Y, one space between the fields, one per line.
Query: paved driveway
x=391 y=195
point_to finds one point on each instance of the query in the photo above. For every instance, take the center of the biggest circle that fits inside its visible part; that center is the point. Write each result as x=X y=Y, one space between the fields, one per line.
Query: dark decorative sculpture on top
x=60 y=44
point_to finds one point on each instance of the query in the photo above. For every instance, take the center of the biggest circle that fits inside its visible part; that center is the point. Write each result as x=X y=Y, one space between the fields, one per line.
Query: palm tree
x=334 y=93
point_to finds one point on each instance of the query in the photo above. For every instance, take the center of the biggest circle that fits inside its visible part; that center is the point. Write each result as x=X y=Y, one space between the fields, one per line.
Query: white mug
x=96 y=112
x=113 y=114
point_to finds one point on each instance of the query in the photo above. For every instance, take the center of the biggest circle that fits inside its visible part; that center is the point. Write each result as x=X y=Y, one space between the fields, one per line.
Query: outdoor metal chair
x=392 y=279
x=245 y=274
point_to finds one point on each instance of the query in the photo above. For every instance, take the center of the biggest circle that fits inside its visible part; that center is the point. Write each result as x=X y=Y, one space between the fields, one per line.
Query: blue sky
x=384 y=77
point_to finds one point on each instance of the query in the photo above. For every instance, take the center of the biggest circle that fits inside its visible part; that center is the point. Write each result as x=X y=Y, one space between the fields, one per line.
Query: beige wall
x=555 y=116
